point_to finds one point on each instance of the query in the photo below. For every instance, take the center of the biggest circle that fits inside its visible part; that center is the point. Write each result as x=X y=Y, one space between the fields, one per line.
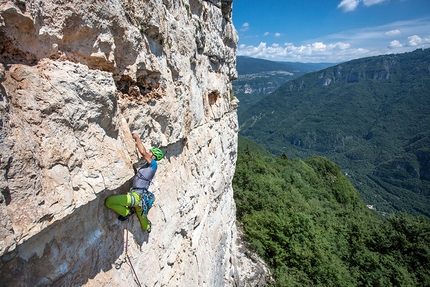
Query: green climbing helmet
x=157 y=153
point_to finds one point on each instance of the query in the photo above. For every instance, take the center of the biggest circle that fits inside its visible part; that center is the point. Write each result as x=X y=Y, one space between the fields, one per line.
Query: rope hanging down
x=127 y=259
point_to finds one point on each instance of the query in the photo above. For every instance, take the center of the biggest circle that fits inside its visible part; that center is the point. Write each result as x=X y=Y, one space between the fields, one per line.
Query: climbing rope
x=129 y=261
x=127 y=258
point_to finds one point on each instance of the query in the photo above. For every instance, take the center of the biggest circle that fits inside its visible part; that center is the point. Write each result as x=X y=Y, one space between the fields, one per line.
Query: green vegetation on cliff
x=306 y=220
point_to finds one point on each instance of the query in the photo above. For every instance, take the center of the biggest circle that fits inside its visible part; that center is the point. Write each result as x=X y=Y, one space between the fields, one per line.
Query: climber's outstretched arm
x=145 y=154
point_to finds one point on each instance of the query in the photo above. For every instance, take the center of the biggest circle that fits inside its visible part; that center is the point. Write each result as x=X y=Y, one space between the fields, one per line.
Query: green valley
x=370 y=116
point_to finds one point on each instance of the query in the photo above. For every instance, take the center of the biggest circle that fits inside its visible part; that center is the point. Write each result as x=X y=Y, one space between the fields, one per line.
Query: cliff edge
x=76 y=78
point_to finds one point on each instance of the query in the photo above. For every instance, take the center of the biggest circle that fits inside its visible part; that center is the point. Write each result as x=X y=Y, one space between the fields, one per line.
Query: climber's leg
x=144 y=222
x=119 y=203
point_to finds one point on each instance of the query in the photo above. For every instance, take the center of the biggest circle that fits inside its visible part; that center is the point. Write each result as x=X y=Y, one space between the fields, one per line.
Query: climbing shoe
x=130 y=213
x=150 y=225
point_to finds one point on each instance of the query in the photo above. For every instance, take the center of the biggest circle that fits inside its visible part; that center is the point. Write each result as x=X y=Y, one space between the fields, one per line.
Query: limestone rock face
x=76 y=78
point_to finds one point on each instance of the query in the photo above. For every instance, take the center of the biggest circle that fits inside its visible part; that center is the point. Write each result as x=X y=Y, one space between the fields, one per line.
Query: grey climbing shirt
x=144 y=175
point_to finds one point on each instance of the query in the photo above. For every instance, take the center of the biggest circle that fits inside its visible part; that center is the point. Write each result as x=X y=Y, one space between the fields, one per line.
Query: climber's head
x=157 y=153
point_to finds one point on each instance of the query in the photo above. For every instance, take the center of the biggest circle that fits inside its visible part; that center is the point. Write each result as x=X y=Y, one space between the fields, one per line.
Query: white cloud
x=393 y=32
x=274 y=34
x=245 y=27
x=351 y=5
x=414 y=40
x=342 y=46
x=347 y=45
x=375 y=38
x=395 y=44
x=417 y=41
x=372 y=2
x=319 y=46
x=314 y=52
x=348 y=5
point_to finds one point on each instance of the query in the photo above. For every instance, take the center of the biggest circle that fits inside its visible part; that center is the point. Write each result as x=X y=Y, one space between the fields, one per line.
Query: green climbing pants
x=120 y=204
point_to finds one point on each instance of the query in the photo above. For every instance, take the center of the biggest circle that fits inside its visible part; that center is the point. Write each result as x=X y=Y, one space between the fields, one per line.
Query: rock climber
x=139 y=199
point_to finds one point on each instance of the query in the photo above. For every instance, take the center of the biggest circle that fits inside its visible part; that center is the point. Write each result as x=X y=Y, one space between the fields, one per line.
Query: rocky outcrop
x=378 y=69
x=76 y=78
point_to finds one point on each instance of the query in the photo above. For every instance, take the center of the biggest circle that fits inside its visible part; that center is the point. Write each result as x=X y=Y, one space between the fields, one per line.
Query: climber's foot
x=122 y=218
x=150 y=225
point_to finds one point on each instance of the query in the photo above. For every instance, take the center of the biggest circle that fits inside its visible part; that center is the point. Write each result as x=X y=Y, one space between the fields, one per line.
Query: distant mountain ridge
x=371 y=116
x=247 y=65
x=259 y=77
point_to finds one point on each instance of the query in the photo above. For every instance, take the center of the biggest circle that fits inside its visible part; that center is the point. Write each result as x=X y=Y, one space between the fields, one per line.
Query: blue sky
x=330 y=30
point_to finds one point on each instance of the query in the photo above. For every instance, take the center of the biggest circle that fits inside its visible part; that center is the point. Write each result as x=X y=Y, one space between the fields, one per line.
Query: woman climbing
x=139 y=198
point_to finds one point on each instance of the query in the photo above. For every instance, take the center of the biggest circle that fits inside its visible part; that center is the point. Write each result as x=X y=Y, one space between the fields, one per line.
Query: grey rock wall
x=76 y=78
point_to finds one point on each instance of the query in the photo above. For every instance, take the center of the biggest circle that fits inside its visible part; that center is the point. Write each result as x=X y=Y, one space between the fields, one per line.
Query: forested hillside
x=370 y=116
x=308 y=223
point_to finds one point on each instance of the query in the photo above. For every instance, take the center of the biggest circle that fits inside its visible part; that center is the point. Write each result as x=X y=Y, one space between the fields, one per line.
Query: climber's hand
x=134 y=135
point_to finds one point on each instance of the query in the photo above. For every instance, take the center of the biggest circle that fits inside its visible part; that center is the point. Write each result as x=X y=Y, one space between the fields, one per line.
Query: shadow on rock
x=72 y=250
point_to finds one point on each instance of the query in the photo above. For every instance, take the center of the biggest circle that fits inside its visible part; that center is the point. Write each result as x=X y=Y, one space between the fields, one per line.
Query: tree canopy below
x=307 y=221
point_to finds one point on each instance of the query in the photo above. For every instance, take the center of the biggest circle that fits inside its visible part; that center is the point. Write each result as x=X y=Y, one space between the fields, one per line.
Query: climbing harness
x=140 y=176
x=127 y=259
x=146 y=199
